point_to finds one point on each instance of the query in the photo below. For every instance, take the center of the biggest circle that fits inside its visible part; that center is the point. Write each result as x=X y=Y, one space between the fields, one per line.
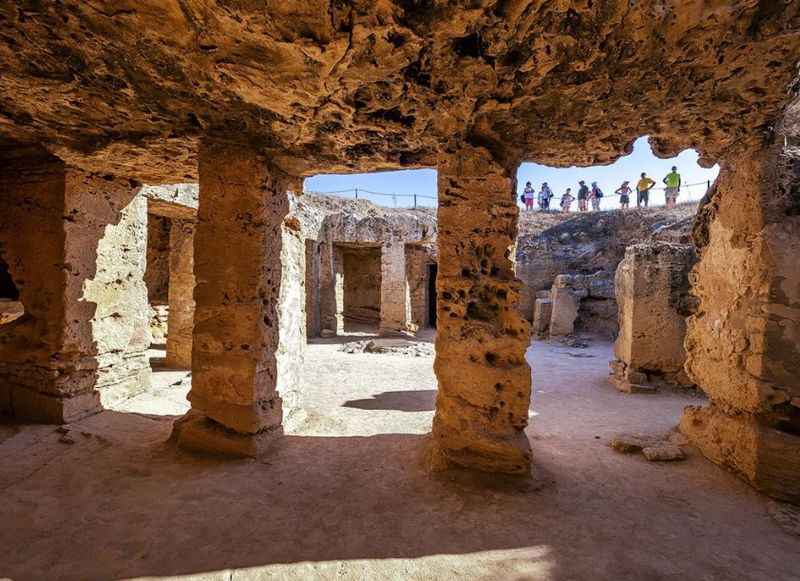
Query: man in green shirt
x=673 y=183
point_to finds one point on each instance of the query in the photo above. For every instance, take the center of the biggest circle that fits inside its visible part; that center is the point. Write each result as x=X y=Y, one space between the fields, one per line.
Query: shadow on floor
x=121 y=502
x=421 y=400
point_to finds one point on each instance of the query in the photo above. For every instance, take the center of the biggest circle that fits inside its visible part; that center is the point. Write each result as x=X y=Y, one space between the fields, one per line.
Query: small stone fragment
x=628 y=444
x=663 y=453
x=65 y=439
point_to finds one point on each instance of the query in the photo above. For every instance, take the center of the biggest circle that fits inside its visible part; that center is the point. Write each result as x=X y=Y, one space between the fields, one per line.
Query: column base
x=196 y=432
x=630 y=380
x=766 y=458
x=178 y=357
x=32 y=406
x=510 y=455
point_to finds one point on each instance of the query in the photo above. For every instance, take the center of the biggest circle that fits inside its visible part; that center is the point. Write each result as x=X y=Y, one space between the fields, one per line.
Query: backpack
x=598 y=193
x=522 y=198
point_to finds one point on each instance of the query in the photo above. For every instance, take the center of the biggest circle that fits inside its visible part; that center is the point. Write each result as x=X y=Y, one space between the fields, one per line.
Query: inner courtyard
x=208 y=371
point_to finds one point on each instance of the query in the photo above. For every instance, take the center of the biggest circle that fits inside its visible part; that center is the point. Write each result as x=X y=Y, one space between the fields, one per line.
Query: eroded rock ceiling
x=131 y=86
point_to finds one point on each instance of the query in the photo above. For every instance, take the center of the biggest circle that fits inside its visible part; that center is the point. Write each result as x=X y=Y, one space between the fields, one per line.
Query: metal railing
x=417 y=200
x=364 y=194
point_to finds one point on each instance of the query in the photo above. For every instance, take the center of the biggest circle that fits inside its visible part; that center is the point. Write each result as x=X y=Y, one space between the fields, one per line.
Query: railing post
x=356 y=193
x=415 y=201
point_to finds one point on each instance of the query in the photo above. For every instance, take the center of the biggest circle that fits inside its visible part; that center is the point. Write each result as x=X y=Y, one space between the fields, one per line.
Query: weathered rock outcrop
x=550 y=244
x=743 y=345
x=130 y=87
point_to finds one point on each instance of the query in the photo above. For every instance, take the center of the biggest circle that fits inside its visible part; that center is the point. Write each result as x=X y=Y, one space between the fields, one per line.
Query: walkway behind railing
x=688 y=192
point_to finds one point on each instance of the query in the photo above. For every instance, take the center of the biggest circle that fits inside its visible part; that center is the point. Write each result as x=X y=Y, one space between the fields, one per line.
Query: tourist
x=527 y=196
x=595 y=195
x=624 y=193
x=545 y=195
x=673 y=183
x=583 y=195
x=566 y=200
x=643 y=190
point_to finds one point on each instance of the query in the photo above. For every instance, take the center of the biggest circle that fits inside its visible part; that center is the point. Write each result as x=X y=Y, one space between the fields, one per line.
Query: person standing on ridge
x=595 y=195
x=566 y=200
x=643 y=188
x=624 y=193
x=527 y=196
x=545 y=195
x=583 y=195
x=673 y=183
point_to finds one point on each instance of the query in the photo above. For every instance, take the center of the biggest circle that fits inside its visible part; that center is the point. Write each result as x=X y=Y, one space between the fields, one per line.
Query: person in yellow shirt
x=643 y=190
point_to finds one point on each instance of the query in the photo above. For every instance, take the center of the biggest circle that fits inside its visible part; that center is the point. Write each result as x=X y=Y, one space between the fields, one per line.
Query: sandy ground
x=345 y=495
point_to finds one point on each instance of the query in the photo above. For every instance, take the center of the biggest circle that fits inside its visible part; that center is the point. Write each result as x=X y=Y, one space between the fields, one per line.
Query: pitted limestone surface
x=131 y=87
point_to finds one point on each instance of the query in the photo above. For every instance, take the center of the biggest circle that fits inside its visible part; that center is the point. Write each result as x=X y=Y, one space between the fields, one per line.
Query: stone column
x=652 y=291
x=395 y=295
x=236 y=407
x=181 y=294
x=313 y=326
x=331 y=278
x=743 y=344
x=75 y=246
x=484 y=379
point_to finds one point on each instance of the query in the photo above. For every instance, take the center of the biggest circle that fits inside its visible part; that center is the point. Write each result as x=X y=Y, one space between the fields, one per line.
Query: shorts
x=671 y=193
x=624 y=199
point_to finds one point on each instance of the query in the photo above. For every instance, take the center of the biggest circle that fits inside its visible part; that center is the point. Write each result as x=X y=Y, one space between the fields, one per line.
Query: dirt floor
x=346 y=496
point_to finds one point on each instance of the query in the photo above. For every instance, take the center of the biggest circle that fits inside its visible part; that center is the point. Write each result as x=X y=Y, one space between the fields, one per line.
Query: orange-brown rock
x=130 y=87
x=743 y=344
x=484 y=379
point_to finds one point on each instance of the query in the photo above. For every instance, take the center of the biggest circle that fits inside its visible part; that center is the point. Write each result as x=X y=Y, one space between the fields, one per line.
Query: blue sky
x=609 y=177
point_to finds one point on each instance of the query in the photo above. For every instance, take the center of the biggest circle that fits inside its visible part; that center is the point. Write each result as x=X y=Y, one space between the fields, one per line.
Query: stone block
x=663 y=453
x=542 y=313
x=33 y=406
x=652 y=286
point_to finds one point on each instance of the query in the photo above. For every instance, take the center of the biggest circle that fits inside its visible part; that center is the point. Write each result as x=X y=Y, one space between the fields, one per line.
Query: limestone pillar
x=236 y=377
x=181 y=294
x=75 y=244
x=652 y=291
x=484 y=379
x=743 y=344
x=313 y=323
x=395 y=295
x=331 y=276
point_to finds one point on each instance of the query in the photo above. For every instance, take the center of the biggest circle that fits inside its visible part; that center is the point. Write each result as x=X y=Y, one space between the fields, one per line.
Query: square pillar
x=484 y=379
x=313 y=322
x=75 y=245
x=395 y=295
x=331 y=276
x=180 y=327
x=652 y=291
x=238 y=264
x=743 y=343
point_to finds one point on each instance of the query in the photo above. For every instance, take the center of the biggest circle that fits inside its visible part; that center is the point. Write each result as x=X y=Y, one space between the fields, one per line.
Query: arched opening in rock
x=11 y=307
x=569 y=256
